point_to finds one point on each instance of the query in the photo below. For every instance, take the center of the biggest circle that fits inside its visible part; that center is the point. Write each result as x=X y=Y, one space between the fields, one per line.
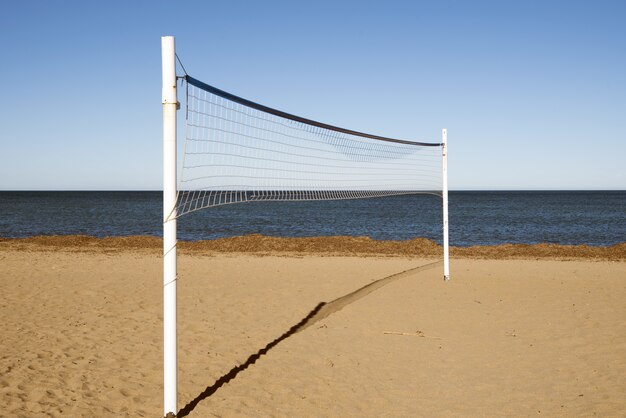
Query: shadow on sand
x=321 y=311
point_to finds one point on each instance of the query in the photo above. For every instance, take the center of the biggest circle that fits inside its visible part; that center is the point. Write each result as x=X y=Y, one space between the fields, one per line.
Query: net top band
x=199 y=84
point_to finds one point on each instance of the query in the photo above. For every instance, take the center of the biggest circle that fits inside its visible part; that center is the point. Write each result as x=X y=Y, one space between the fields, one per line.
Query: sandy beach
x=294 y=331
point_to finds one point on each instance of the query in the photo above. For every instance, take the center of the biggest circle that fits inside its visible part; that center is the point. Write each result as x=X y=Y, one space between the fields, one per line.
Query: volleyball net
x=238 y=151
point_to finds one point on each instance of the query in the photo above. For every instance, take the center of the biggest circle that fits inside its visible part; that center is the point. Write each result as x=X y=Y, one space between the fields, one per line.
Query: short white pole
x=170 y=103
x=446 y=249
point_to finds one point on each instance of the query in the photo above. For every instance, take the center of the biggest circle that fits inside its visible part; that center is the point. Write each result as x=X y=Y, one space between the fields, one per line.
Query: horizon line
x=450 y=190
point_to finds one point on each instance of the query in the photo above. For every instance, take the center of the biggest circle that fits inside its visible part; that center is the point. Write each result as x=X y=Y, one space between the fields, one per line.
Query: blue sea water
x=476 y=218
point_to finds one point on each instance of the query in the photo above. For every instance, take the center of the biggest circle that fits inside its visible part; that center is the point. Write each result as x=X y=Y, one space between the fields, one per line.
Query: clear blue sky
x=533 y=93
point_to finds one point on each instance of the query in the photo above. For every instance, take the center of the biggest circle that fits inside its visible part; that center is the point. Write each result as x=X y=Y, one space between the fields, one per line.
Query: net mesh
x=235 y=153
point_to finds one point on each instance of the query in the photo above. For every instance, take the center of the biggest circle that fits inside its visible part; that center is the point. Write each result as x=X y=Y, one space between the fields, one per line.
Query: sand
x=309 y=334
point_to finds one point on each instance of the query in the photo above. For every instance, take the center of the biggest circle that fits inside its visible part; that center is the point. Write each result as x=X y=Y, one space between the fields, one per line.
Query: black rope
x=181 y=64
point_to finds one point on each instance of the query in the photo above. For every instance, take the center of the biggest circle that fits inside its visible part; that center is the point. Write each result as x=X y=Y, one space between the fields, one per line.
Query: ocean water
x=476 y=218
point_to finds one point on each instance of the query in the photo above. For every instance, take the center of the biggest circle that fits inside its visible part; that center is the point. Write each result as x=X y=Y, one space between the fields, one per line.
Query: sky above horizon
x=533 y=93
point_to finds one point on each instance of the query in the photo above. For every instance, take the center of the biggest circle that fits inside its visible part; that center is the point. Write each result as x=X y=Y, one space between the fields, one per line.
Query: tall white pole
x=446 y=249
x=170 y=104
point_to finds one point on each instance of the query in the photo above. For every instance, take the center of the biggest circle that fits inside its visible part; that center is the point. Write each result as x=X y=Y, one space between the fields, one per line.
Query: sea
x=596 y=218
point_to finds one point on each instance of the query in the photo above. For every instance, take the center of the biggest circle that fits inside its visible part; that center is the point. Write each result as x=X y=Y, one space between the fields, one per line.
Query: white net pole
x=444 y=195
x=170 y=104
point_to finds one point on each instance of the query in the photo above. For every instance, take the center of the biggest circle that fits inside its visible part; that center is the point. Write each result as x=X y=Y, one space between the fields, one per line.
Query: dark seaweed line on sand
x=329 y=245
